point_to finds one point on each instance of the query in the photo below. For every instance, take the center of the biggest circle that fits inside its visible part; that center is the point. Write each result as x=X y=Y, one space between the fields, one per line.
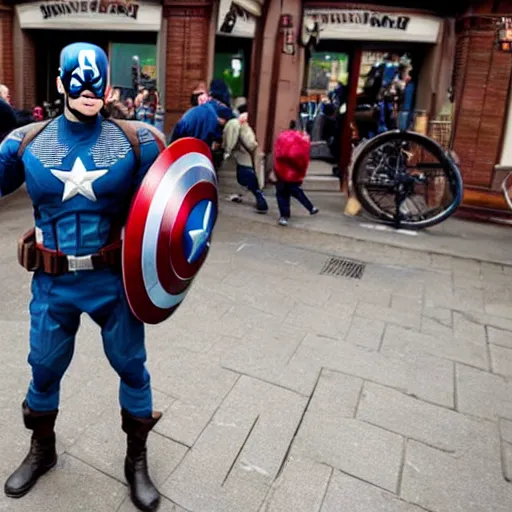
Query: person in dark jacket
x=8 y=119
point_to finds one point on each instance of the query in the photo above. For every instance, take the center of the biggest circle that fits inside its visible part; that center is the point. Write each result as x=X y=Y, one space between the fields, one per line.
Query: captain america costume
x=80 y=178
x=81 y=172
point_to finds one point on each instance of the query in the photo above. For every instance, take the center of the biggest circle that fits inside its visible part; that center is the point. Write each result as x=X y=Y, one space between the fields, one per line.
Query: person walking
x=239 y=141
x=291 y=161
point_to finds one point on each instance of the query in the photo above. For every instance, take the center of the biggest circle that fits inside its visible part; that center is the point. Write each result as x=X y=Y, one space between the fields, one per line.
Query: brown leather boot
x=42 y=455
x=142 y=490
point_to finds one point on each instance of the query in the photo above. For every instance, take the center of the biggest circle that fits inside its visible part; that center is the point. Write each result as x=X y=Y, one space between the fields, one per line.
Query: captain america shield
x=168 y=231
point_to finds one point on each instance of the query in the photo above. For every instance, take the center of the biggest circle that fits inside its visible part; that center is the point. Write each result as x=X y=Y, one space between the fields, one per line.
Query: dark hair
x=242 y=109
x=293 y=125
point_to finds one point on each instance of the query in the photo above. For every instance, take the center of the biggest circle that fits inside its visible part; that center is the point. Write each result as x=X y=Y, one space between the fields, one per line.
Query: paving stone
x=319 y=321
x=330 y=435
x=503 y=309
x=347 y=493
x=365 y=332
x=198 y=384
x=425 y=376
x=389 y=315
x=264 y=356
x=436 y=328
x=407 y=304
x=469 y=350
x=240 y=452
x=436 y=426
x=506 y=430
x=506 y=454
x=440 y=261
x=165 y=506
x=316 y=296
x=351 y=292
x=501 y=358
x=103 y=446
x=466 y=266
x=301 y=487
x=469 y=482
x=500 y=337
x=483 y=394
x=71 y=485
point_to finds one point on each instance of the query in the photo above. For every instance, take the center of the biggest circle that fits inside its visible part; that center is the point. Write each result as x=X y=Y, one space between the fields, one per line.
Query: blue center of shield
x=198 y=230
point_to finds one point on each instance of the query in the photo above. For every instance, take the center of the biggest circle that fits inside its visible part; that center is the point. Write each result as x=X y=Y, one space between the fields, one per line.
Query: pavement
x=287 y=387
x=454 y=237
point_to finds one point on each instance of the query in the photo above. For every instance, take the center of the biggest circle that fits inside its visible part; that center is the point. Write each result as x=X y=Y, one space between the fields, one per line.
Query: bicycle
x=419 y=183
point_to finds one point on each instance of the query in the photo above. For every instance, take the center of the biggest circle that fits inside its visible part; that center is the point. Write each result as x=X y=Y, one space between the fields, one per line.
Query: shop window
x=231 y=68
x=121 y=60
x=325 y=71
x=506 y=152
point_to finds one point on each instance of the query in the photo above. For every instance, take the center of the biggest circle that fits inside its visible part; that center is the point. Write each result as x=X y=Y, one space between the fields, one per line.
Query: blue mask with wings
x=84 y=66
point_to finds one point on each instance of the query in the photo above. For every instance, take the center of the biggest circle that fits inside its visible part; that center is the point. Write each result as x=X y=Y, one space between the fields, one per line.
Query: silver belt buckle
x=76 y=263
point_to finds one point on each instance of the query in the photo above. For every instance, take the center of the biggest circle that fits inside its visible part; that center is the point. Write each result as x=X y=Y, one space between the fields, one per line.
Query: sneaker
x=261 y=203
x=283 y=221
x=235 y=198
x=314 y=211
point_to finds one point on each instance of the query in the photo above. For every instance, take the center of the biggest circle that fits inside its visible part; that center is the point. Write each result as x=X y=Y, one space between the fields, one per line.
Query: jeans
x=284 y=191
x=247 y=178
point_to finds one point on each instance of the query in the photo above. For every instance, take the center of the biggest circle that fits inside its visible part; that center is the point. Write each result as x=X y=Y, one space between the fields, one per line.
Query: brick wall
x=188 y=26
x=482 y=80
x=6 y=47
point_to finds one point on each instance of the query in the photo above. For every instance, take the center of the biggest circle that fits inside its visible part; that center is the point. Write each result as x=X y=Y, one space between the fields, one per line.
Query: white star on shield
x=200 y=236
x=79 y=180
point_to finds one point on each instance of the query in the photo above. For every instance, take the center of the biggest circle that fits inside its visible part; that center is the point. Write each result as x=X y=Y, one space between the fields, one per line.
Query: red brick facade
x=482 y=81
x=6 y=46
x=188 y=24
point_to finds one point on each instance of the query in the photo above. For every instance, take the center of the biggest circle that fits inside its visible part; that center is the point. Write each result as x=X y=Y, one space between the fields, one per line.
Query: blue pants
x=247 y=178
x=55 y=310
x=284 y=191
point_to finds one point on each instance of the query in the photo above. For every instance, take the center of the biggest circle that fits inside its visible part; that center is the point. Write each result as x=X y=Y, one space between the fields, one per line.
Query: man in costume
x=81 y=172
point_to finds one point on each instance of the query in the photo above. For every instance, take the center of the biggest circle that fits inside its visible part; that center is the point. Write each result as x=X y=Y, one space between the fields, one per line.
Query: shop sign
x=74 y=7
x=90 y=15
x=367 y=25
x=238 y=18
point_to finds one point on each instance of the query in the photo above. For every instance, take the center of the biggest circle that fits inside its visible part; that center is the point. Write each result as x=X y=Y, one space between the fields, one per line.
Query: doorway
x=49 y=43
x=232 y=63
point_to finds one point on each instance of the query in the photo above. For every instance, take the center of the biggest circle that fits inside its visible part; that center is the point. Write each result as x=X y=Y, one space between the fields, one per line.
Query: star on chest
x=79 y=180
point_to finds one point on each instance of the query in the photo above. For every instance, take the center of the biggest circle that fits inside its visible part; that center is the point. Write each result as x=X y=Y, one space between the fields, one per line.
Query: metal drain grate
x=343 y=268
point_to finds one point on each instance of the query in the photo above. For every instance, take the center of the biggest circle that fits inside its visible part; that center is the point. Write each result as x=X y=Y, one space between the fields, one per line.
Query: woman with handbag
x=240 y=142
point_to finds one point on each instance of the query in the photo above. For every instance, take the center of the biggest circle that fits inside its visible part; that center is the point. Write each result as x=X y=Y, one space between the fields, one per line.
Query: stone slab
x=237 y=457
x=165 y=506
x=469 y=350
x=330 y=435
x=411 y=320
x=501 y=358
x=500 y=337
x=411 y=418
x=366 y=332
x=301 y=487
x=471 y=482
x=483 y=394
x=347 y=493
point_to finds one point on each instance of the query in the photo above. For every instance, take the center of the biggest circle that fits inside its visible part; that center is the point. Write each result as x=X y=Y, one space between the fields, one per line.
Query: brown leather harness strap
x=33 y=130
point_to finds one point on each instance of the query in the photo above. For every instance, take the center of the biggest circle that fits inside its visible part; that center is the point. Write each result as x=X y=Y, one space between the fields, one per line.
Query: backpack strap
x=32 y=131
x=131 y=129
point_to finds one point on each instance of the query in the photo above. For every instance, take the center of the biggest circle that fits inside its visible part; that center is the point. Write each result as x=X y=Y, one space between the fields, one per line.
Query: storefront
x=356 y=57
x=237 y=28
x=123 y=30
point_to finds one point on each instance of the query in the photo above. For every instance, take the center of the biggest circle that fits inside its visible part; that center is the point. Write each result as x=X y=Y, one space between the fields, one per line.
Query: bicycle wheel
x=407 y=179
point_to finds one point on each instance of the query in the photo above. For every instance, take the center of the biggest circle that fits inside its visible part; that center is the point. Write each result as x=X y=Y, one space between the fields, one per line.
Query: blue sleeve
x=149 y=151
x=12 y=171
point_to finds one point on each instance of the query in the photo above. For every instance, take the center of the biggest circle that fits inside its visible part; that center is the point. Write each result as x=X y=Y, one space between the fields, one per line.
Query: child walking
x=291 y=161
